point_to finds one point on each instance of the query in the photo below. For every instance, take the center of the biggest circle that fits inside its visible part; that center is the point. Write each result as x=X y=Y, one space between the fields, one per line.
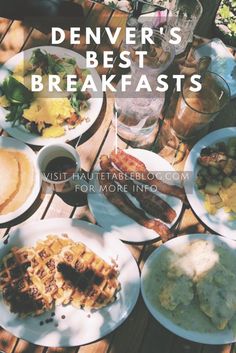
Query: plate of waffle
x=69 y=284
x=137 y=194
x=20 y=178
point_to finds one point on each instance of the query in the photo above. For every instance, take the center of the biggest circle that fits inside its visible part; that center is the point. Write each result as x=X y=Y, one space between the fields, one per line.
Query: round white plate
x=12 y=144
x=79 y=326
x=216 y=337
x=95 y=103
x=218 y=222
x=111 y=218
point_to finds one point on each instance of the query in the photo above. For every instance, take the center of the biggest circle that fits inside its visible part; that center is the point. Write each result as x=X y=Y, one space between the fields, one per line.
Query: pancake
x=9 y=175
x=26 y=181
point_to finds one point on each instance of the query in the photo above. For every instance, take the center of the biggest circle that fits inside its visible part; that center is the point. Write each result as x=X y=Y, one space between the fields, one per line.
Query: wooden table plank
x=58 y=209
x=62 y=350
x=180 y=345
x=189 y=224
x=84 y=213
x=128 y=338
x=87 y=5
x=4 y=26
x=156 y=338
x=36 y=39
x=10 y=46
x=217 y=349
x=97 y=347
x=7 y=341
x=26 y=347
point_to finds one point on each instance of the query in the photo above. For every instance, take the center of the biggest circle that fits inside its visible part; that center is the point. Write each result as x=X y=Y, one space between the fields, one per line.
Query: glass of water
x=136 y=118
x=184 y=14
x=136 y=114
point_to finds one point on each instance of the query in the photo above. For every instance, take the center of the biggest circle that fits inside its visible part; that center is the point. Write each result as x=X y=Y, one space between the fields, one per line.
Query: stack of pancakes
x=17 y=178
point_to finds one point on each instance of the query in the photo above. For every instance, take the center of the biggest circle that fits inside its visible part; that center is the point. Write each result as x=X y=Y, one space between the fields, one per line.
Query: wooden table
x=140 y=333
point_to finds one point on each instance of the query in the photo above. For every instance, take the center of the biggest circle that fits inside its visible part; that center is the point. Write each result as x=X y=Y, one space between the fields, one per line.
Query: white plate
x=77 y=328
x=219 y=222
x=216 y=337
x=12 y=144
x=95 y=103
x=111 y=218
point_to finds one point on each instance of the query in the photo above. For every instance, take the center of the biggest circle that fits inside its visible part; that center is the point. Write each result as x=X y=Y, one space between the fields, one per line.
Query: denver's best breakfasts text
x=94 y=36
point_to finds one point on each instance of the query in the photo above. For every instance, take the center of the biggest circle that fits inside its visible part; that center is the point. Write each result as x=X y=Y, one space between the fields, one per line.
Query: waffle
x=94 y=282
x=18 y=290
x=56 y=271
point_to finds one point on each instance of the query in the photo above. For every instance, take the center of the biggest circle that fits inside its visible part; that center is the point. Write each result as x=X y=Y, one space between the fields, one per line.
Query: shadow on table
x=43 y=15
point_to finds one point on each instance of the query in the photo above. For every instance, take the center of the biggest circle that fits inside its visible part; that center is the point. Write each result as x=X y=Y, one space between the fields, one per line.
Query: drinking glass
x=136 y=114
x=195 y=110
x=184 y=14
x=136 y=118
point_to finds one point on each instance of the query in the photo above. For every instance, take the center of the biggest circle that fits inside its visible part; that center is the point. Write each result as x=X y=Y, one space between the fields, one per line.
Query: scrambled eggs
x=49 y=111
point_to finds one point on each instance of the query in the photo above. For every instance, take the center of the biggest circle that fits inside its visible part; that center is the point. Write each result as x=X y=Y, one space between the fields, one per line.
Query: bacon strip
x=131 y=165
x=150 y=202
x=123 y=203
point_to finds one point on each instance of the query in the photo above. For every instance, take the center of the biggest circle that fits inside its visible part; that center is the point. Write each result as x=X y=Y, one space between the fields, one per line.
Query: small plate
x=75 y=326
x=12 y=144
x=218 y=222
x=95 y=103
x=111 y=218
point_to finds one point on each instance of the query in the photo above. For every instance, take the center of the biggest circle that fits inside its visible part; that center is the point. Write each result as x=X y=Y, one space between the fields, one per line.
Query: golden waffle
x=93 y=283
x=81 y=277
x=16 y=285
x=44 y=266
x=56 y=271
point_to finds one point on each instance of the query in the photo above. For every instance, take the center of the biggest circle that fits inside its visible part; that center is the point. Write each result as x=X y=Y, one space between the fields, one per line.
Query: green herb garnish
x=19 y=96
x=16 y=92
